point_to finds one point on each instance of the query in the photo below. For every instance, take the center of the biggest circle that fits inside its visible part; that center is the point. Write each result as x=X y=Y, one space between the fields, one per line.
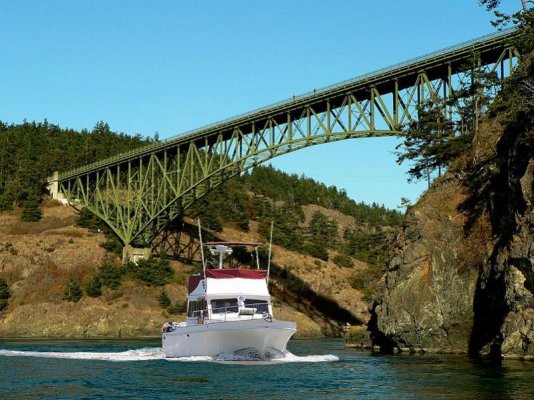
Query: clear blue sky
x=172 y=66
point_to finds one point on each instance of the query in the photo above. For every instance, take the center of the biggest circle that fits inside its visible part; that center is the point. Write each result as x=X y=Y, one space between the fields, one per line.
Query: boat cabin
x=226 y=294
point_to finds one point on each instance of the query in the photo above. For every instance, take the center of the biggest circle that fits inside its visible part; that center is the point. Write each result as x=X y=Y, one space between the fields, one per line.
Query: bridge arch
x=139 y=192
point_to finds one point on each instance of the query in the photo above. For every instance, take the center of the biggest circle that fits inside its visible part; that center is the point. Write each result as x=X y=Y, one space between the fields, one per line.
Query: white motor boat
x=229 y=312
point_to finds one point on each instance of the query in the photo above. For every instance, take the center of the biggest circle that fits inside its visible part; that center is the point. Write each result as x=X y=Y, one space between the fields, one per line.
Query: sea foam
x=156 y=353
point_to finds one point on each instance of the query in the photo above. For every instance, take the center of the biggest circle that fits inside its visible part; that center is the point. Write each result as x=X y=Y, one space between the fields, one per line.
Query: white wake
x=155 y=353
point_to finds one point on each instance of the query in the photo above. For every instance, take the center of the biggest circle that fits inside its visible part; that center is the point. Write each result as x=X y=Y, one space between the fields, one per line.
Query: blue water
x=318 y=369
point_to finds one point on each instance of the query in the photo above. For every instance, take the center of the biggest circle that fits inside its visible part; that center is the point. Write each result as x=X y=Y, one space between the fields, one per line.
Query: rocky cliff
x=462 y=275
x=426 y=301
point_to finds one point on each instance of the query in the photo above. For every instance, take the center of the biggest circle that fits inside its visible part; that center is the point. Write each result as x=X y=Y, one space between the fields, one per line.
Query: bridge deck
x=488 y=47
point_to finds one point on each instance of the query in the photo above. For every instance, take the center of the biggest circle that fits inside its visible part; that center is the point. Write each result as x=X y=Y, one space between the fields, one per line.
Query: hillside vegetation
x=30 y=152
x=63 y=273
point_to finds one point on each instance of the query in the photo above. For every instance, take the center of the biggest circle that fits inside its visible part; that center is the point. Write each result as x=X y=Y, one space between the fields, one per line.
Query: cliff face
x=462 y=276
x=504 y=301
x=426 y=300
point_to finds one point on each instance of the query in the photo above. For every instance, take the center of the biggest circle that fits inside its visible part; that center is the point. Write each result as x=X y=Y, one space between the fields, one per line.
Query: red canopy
x=226 y=273
x=193 y=282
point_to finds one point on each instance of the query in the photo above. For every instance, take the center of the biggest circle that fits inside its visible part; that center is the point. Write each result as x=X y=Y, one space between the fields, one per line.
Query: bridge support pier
x=130 y=253
x=53 y=188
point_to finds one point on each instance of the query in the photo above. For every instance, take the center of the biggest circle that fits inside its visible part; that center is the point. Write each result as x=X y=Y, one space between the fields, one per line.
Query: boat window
x=195 y=306
x=260 y=305
x=192 y=307
x=224 y=305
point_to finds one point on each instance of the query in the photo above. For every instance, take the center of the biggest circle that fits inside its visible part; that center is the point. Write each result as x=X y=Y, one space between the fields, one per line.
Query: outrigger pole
x=201 y=247
x=270 y=252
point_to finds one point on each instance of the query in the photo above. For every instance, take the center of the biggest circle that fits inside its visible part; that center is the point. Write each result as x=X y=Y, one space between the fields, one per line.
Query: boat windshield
x=260 y=305
x=224 y=306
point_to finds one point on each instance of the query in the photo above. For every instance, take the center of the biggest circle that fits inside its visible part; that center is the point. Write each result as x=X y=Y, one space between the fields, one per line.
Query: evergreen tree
x=110 y=275
x=5 y=293
x=163 y=299
x=445 y=129
x=179 y=307
x=72 y=291
x=425 y=140
x=30 y=152
x=94 y=287
x=323 y=230
x=31 y=211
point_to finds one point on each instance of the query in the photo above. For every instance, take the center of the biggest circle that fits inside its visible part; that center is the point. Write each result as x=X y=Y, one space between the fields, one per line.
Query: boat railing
x=223 y=314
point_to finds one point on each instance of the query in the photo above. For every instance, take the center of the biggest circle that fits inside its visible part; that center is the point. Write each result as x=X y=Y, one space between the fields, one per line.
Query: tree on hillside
x=445 y=129
x=163 y=299
x=323 y=230
x=30 y=210
x=286 y=219
x=5 y=293
x=94 y=287
x=425 y=141
x=31 y=151
x=72 y=291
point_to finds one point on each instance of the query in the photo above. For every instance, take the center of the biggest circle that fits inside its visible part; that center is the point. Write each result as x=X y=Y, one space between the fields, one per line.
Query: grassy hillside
x=41 y=260
x=65 y=277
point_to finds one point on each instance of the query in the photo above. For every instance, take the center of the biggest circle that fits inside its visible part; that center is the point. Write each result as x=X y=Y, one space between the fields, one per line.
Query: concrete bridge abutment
x=134 y=254
x=53 y=189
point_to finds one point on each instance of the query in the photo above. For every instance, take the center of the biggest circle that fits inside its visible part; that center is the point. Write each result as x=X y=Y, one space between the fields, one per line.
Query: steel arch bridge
x=139 y=192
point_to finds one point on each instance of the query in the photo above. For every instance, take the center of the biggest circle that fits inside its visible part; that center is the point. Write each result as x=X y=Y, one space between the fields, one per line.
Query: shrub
x=263 y=254
x=179 y=307
x=94 y=287
x=343 y=260
x=163 y=299
x=86 y=219
x=5 y=293
x=113 y=245
x=110 y=275
x=73 y=291
x=366 y=281
x=316 y=251
x=152 y=271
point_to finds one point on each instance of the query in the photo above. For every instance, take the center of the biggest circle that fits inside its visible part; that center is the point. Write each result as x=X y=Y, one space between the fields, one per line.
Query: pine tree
x=163 y=299
x=31 y=211
x=323 y=230
x=5 y=293
x=424 y=140
x=94 y=287
x=73 y=291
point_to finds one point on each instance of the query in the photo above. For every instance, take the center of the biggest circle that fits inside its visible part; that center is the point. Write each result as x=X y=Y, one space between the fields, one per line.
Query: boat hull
x=230 y=337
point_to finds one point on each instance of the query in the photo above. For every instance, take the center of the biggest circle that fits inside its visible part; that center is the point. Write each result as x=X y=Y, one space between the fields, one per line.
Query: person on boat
x=165 y=328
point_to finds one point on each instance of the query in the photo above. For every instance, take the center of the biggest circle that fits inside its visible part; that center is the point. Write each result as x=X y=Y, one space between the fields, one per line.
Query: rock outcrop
x=504 y=301
x=462 y=276
x=426 y=302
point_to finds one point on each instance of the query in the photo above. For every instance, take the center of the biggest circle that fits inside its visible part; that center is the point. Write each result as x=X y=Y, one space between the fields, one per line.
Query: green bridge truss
x=139 y=192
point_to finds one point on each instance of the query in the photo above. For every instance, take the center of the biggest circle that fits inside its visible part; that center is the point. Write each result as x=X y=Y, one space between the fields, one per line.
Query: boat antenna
x=257 y=258
x=201 y=247
x=270 y=252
